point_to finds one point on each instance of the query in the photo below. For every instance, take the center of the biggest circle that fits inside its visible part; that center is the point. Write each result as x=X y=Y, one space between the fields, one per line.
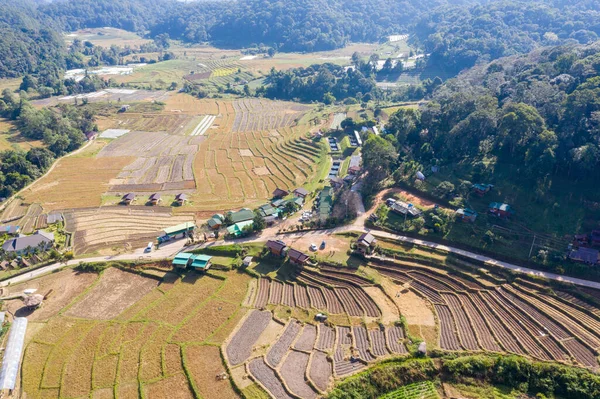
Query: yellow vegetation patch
x=203 y=364
x=175 y=387
x=205 y=322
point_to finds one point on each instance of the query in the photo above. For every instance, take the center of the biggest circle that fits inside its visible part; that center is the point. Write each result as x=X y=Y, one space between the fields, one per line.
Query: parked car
x=323 y=245
x=390 y=201
x=313 y=247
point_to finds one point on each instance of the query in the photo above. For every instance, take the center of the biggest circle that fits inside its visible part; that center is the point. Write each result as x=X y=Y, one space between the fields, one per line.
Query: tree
x=379 y=155
x=259 y=222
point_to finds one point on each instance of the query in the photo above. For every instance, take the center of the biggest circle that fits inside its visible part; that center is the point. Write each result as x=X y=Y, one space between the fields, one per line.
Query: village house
x=404 y=208
x=296 y=257
x=366 y=242
x=216 y=221
x=500 y=209
x=181 y=199
x=354 y=166
x=279 y=193
x=301 y=192
x=336 y=182
x=466 y=215
x=128 y=198
x=325 y=203
x=201 y=263
x=238 y=229
x=247 y=262
x=154 y=199
x=268 y=210
x=40 y=240
x=481 y=189
x=243 y=215
x=277 y=248
x=585 y=255
x=179 y=231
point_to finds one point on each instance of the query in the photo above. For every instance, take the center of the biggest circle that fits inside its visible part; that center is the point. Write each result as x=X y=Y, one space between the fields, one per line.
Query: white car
x=313 y=247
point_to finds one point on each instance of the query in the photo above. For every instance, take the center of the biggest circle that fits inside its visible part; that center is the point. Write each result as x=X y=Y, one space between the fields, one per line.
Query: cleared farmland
x=105 y=227
x=134 y=351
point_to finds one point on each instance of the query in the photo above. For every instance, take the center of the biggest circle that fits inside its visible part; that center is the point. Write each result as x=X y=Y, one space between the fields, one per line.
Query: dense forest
x=539 y=113
x=458 y=36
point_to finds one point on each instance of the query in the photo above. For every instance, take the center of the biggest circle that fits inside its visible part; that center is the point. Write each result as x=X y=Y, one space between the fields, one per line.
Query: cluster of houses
x=240 y=221
x=279 y=249
x=498 y=209
x=154 y=199
x=581 y=251
x=19 y=244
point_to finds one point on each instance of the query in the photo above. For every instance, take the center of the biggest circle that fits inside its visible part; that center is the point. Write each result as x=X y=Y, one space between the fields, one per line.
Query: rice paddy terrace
x=151 y=334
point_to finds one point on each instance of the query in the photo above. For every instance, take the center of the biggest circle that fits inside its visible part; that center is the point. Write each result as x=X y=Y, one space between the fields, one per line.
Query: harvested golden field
x=135 y=352
x=76 y=181
x=11 y=139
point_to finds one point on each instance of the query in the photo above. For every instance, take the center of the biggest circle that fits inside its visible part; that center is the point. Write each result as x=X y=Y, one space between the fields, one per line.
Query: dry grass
x=212 y=315
x=11 y=139
x=204 y=363
x=175 y=387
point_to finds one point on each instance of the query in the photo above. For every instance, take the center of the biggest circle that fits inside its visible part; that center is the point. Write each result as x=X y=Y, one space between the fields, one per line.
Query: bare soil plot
x=240 y=346
x=116 y=291
x=465 y=330
x=362 y=343
x=273 y=114
x=279 y=349
x=448 y=338
x=378 y=346
x=306 y=340
x=293 y=371
x=326 y=337
x=201 y=325
x=389 y=311
x=393 y=336
x=267 y=378
x=262 y=295
x=203 y=364
x=61 y=287
x=320 y=370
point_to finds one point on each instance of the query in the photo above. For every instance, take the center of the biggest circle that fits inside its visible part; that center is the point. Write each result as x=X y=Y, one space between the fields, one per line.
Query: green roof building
x=201 y=262
x=179 y=229
x=242 y=215
x=182 y=259
x=237 y=229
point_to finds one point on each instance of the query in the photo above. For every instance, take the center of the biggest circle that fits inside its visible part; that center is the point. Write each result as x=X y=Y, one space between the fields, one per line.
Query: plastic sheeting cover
x=12 y=355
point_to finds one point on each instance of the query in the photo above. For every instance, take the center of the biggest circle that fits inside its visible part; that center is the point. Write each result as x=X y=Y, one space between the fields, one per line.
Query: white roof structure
x=12 y=354
x=113 y=133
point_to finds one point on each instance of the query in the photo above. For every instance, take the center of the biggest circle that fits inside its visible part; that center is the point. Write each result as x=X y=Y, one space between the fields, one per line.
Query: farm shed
x=481 y=189
x=466 y=215
x=270 y=220
x=128 y=198
x=237 y=229
x=154 y=199
x=12 y=355
x=182 y=230
x=365 y=242
x=336 y=182
x=301 y=192
x=277 y=203
x=182 y=259
x=585 y=255
x=297 y=257
x=10 y=230
x=248 y=261
x=325 y=203
x=201 y=262
x=357 y=138
x=499 y=209
x=33 y=301
x=243 y=215
x=41 y=240
x=278 y=247
x=181 y=199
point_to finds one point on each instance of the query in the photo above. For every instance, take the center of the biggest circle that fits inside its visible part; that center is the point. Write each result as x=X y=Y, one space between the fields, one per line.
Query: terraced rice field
x=503 y=318
x=105 y=227
x=129 y=351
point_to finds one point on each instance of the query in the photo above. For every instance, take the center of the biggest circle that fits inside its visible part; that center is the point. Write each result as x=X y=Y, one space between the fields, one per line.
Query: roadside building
x=181 y=199
x=280 y=193
x=182 y=260
x=179 y=231
x=301 y=192
x=277 y=248
x=268 y=210
x=588 y=256
x=40 y=240
x=500 y=209
x=201 y=262
x=243 y=215
x=466 y=215
x=10 y=230
x=298 y=258
x=238 y=229
x=128 y=198
x=481 y=189
x=154 y=199
x=366 y=242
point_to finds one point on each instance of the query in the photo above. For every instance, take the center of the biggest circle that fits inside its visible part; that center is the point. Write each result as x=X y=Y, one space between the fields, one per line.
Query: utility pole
x=531 y=250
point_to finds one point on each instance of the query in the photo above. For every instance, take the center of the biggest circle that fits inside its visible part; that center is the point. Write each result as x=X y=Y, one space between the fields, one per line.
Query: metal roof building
x=12 y=354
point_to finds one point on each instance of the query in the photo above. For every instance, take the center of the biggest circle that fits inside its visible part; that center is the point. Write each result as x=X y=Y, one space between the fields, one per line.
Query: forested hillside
x=537 y=114
x=457 y=36
x=28 y=42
